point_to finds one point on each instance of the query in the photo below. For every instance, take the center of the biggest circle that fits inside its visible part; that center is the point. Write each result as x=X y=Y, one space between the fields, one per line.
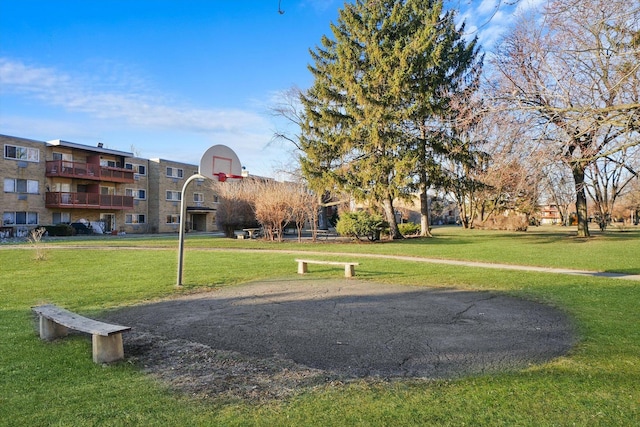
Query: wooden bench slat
x=106 y=338
x=311 y=261
x=78 y=322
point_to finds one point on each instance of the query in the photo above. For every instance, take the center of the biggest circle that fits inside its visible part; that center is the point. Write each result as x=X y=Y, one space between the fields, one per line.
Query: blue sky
x=170 y=78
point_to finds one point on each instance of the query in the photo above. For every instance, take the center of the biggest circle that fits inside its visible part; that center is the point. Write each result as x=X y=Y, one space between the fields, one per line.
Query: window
x=198 y=197
x=20 y=218
x=215 y=199
x=174 y=195
x=136 y=193
x=20 y=186
x=173 y=219
x=22 y=153
x=108 y=191
x=61 y=217
x=134 y=219
x=8 y=218
x=139 y=169
x=63 y=156
x=175 y=172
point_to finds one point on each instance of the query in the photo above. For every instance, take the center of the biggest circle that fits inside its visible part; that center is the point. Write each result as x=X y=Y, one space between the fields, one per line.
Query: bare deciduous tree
x=235 y=209
x=303 y=206
x=630 y=202
x=608 y=179
x=576 y=71
x=557 y=185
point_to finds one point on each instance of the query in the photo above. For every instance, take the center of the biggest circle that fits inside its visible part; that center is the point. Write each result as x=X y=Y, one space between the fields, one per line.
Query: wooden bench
x=349 y=267
x=106 y=338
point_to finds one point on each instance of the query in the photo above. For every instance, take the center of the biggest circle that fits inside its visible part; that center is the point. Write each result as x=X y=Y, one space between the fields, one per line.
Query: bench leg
x=302 y=267
x=349 y=270
x=50 y=330
x=107 y=349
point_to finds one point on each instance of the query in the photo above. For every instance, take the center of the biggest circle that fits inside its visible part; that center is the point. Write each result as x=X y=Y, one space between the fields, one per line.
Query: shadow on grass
x=625 y=271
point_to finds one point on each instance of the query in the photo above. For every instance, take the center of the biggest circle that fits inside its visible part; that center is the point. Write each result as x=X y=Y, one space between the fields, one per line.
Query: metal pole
x=183 y=214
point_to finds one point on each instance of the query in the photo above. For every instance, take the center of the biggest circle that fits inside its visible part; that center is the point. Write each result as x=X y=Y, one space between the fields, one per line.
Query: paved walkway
x=512 y=267
x=476 y=264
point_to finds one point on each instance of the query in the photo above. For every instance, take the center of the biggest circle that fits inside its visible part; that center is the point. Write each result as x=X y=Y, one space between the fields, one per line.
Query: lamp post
x=183 y=214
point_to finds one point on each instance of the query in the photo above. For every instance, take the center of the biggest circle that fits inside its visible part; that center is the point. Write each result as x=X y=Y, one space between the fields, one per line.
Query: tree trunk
x=425 y=218
x=581 y=199
x=462 y=211
x=387 y=206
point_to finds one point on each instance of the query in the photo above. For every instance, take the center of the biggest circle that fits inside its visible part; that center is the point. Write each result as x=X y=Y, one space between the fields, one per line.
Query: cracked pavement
x=348 y=328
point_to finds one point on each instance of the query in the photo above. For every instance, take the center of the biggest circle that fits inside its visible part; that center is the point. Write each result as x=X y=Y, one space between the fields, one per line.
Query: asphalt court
x=357 y=328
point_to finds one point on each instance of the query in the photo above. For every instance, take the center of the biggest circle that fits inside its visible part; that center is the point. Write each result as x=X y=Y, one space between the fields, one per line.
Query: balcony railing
x=87 y=201
x=89 y=171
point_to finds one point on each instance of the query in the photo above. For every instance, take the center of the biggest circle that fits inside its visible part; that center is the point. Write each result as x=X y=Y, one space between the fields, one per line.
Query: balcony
x=87 y=201
x=91 y=171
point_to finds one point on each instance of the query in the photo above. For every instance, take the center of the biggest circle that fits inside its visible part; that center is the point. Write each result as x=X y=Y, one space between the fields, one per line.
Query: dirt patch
x=199 y=370
x=272 y=339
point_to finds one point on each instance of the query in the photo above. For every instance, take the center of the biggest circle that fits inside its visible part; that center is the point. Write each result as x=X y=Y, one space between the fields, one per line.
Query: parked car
x=81 y=228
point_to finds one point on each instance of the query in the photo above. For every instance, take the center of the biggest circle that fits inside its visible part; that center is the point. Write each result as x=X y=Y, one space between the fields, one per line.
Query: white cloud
x=122 y=112
x=488 y=7
x=527 y=5
x=118 y=101
x=488 y=19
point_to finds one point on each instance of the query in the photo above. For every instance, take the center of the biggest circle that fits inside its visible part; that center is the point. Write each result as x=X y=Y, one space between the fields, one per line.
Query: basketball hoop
x=223 y=177
x=219 y=163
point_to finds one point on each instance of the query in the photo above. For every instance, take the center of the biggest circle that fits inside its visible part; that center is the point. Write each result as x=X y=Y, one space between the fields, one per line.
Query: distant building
x=61 y=182
x=550 y=214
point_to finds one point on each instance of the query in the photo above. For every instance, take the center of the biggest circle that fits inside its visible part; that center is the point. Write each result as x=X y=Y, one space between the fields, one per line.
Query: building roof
x=98 y=149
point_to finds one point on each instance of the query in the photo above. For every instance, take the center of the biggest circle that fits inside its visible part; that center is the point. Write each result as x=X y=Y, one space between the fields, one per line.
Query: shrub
x=59 y=230
x=409 y=228
x=514 y=222
x=359 y=224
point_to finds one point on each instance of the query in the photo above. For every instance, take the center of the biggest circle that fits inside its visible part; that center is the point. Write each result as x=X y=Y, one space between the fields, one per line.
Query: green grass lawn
x=57 y=383
x=548 y=246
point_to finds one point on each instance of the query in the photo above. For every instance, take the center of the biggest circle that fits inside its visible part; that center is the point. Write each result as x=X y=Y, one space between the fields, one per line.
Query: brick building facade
x=53 y=182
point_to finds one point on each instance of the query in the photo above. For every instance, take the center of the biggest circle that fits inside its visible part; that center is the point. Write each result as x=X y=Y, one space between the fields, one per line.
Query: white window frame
x=175 y=172
x=11 y=218
x=198 y=197
x=173 y=219
x=65 y=217
x=136 y=193
x=136 y=168
x=174 y=196
x=135 y=219
x=107 y=191
x=11 y=185
x=26 y=154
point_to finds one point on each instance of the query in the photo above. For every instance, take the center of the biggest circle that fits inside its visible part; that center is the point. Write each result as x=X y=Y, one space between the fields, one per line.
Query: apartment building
x=53 y=182
x=166 y=180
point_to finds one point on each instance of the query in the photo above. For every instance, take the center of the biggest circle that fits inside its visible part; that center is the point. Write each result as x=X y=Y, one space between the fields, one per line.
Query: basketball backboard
x=220 y=163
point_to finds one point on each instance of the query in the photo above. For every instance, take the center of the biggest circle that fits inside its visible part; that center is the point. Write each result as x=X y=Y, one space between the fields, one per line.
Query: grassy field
x=598 y=383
